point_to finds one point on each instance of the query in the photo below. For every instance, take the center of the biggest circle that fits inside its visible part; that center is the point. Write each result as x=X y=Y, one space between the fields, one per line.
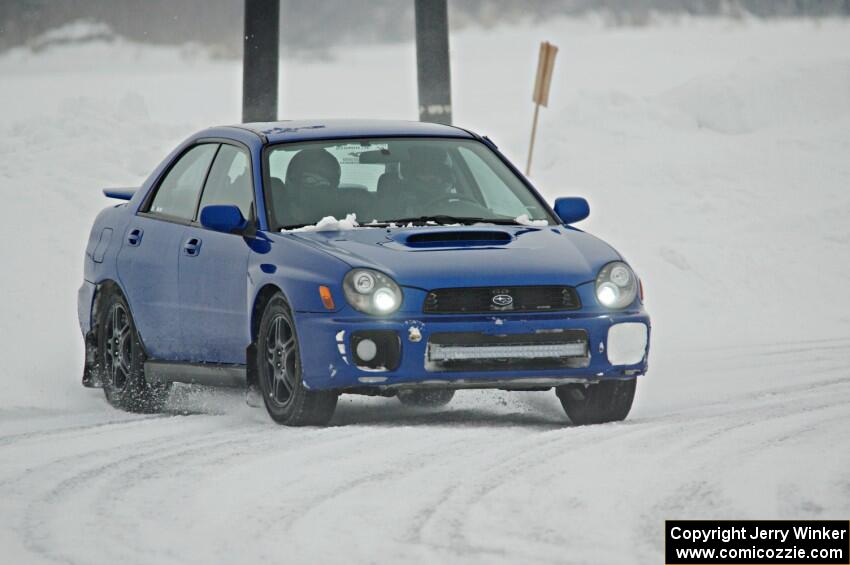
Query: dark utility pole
x=260 y=60
x=432 y=61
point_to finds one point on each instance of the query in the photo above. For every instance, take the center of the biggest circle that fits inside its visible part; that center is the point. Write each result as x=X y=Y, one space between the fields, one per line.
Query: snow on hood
x=329 y=223
x=524 y=220
x=530 y=255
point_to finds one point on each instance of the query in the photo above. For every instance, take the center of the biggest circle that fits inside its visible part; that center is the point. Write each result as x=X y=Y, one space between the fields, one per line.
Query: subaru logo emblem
x=503 y=300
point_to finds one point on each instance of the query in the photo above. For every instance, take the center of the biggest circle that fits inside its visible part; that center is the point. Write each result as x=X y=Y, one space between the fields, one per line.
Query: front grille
x=492 y=299
x=472 y=351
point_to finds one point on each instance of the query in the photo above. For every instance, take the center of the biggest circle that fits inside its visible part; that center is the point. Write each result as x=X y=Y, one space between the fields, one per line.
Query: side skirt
x=209 y=374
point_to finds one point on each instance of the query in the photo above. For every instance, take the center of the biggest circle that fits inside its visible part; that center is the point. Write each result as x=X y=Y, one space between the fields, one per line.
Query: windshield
x=417 y=180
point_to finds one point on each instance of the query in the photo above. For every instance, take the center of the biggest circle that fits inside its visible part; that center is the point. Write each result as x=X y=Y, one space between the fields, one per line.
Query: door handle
x=192 y=247
x=134 y=238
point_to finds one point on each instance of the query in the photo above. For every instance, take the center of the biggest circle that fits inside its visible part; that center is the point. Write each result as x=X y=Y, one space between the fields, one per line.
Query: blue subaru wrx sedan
x=304 y=260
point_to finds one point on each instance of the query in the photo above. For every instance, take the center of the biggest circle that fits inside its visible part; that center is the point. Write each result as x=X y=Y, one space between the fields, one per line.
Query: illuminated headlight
x=616 y=285
x=371 y=292
x=385 y=300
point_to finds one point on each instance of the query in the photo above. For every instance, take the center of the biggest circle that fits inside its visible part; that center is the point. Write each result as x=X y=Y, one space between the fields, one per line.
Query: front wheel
x=279 y=372
x=606 y=401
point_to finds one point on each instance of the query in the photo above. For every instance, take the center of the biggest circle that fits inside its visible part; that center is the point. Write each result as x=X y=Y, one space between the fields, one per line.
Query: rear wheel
x=426 y=397
x=279 y=372
x=122 y=359
x=606 y=401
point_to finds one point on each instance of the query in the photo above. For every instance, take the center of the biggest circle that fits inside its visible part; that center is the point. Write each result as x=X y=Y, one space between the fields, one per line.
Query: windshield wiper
x=446 y=219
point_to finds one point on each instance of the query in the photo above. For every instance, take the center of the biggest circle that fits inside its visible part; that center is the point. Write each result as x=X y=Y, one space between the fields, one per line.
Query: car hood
x=446 y=256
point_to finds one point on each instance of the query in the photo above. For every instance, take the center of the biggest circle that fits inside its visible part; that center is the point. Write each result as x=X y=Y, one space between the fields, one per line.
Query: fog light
x=367 y=349
x=376 y=350
x=627 y=343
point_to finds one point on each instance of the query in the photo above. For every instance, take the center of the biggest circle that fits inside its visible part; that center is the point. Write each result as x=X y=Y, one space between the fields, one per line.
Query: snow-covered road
x=494 y=478
x=715 y=158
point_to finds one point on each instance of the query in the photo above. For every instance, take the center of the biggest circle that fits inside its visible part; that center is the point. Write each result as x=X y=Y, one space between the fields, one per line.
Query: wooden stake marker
x=545 y=68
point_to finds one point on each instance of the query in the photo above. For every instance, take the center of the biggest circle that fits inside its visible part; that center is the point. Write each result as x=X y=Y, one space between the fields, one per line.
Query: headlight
x=616 y=285
x=371 y=292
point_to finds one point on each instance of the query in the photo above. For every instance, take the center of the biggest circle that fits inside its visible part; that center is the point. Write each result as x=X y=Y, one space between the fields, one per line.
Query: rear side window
x=178 y=192
x=229 y=181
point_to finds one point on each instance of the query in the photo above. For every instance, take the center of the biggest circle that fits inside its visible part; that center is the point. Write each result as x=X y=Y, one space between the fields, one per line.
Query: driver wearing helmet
x=427 y=178
x=312 y=182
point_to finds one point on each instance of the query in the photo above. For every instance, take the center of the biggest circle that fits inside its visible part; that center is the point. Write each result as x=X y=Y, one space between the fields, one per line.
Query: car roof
x=305 y=130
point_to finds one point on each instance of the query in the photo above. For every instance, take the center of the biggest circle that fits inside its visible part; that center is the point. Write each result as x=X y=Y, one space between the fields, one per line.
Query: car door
x=148 y=259
x=213 y=268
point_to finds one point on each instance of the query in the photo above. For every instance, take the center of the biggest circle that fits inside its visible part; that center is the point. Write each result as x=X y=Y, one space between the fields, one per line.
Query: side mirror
x=572 y=209
x=224 y=218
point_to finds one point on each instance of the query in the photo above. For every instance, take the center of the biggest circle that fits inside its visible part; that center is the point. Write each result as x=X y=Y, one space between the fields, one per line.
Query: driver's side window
x=229 y=181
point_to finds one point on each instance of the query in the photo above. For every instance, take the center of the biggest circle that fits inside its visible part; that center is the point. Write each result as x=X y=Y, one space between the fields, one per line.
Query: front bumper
x=328 y=361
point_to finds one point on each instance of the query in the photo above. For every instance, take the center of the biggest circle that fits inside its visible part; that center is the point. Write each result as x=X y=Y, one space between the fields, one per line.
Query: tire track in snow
x=491 y=471
x=180 y=452
x=50 y=433
x=500 y=473
x=33 y=530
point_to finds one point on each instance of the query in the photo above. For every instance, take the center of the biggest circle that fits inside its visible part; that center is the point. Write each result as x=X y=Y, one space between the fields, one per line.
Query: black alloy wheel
x=121 y=359
x=281 y=362
x=279 y=376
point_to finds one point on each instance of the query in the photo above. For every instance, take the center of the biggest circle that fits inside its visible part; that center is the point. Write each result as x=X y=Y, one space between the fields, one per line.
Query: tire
x=606 y=401
x=426 y=397
x=121 y=359
x=287 y=401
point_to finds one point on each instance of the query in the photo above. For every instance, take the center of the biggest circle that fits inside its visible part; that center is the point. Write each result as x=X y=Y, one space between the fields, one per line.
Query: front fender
x=298 y=270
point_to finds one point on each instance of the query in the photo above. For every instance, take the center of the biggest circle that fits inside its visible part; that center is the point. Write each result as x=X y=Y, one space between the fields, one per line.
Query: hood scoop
x=455 y=238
